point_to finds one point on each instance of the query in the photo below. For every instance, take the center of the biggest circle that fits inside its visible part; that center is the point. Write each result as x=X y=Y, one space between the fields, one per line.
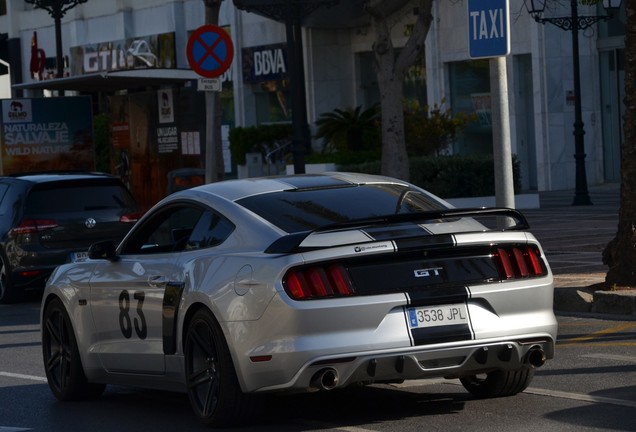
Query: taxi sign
x=488 y=28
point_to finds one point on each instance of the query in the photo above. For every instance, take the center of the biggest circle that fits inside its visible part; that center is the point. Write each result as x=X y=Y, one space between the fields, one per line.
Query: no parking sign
x=210 y=51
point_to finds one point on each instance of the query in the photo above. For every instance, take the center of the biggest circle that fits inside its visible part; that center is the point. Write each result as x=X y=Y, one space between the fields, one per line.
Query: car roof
x=233 y=190
x=45 y=177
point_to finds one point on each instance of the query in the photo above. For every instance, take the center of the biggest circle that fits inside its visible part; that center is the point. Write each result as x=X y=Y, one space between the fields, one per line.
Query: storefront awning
x=319 y=13
x=114 y=80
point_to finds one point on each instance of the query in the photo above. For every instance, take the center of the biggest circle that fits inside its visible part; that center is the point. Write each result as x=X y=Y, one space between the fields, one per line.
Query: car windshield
x=302 y=210
x=78 y=198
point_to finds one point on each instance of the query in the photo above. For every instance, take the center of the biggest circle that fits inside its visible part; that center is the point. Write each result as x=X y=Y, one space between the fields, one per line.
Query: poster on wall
x=47 y=134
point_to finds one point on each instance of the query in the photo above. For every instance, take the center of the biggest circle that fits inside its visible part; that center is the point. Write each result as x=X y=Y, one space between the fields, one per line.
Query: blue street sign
x=488 y=28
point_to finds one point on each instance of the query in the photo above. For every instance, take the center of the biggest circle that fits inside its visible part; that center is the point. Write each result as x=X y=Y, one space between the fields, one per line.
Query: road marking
x=597 y=334
x=596 y=344
x=561 y=394
x=580 y=397
x=611 y=357
x=13 y=429
x=21 y=376
x=321 y=425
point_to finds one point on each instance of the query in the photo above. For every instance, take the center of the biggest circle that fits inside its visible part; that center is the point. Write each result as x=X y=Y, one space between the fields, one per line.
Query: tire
x=498 y=383
x=62 y=362
x=212 y=385
x=8 y=293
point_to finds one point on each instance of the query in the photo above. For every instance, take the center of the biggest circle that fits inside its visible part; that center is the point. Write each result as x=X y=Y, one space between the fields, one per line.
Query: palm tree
x=348 y=129
x=620 y=253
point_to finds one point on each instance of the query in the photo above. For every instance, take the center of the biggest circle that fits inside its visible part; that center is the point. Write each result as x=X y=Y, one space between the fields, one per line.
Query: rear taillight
x=516 y=262
x=322 y=281
x=130 y=217
x=28 y=226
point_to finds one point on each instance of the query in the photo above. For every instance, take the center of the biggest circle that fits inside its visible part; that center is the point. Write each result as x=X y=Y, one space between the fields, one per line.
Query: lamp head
x=611 y=4
x=536 y=7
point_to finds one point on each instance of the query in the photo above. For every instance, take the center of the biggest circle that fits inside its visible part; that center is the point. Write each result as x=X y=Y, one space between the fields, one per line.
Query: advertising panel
x=46 y=134
x=144 y=52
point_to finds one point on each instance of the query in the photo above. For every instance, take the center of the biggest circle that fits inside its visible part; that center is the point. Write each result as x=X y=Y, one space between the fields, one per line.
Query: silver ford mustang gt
x=301 y=283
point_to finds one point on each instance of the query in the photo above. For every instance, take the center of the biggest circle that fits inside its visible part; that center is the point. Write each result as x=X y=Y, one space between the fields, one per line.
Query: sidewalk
x=573 y=239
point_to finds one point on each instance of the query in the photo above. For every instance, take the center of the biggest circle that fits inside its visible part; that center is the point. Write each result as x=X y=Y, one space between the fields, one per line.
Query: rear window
x=63 y=198
x=302 y=210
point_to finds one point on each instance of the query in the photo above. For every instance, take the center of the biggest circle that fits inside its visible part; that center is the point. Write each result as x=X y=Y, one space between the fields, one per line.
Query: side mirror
x=103 y=250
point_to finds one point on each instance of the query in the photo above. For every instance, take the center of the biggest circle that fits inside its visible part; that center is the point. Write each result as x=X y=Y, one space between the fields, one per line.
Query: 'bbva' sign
x=264 y=63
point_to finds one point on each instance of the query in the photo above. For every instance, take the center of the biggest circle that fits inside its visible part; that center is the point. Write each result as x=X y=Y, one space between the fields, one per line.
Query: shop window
x=614 y=27
x=3 y=7
x=273 y=102
x=469 y=83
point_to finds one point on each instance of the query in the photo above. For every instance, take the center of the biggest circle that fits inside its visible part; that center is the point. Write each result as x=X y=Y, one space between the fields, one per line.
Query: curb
x=589 y=300
x=621 y=302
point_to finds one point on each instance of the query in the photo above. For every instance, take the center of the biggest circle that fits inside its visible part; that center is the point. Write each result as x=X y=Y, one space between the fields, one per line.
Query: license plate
x=78 y=256
x=442 y=315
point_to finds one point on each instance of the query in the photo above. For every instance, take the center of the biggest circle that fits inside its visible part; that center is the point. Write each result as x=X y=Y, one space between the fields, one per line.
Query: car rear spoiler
x=291 y=242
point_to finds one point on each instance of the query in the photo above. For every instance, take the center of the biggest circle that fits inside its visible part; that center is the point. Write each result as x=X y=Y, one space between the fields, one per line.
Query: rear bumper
x=421 y=363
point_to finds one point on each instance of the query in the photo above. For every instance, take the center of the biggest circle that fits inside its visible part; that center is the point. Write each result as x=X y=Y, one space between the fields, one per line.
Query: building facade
x=132 y=53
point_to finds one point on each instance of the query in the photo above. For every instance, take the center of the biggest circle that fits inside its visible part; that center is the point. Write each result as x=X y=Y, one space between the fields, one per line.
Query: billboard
x=46 y=134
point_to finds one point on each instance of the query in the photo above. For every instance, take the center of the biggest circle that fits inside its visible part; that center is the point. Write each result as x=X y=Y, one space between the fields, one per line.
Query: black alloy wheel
x=7 y=291
x=213 y=389
x=62 y=362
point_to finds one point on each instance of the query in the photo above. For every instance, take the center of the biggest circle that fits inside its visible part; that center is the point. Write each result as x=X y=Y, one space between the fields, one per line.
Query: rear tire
x=8 y=293
x=499 y=383
x=213 y=388
x=62 y=362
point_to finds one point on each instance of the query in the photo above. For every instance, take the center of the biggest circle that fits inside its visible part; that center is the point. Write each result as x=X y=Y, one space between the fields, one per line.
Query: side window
x=166 y=231
x=4 y=204
x=211 y=230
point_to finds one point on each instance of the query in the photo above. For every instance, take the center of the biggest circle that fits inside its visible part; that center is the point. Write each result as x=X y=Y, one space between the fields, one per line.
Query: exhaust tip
x=325 y=379
x=536 y=357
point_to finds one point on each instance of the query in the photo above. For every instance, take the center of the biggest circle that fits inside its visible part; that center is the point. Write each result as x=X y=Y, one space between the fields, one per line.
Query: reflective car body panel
x=48 y=218
x=391 y=298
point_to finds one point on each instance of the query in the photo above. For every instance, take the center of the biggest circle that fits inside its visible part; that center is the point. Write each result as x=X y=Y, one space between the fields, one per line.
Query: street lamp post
x=574 y=23
x=57 y=9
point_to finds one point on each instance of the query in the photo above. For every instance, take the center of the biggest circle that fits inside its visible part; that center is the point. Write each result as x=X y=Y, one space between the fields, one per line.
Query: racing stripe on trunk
x=438 y=295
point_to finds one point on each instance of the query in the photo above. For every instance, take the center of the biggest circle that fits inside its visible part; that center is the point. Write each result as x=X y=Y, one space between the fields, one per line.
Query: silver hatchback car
x=301 y=283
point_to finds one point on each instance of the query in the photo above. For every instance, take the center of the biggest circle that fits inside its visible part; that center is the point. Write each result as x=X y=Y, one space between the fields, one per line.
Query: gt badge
x=435 y=271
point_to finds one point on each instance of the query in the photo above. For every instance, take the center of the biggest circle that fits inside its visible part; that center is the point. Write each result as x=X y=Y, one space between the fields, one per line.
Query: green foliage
x=101 y=140
x=345 y=157
x=351 y=130
x=450 y=176
x=258 y=139
x=430 y=130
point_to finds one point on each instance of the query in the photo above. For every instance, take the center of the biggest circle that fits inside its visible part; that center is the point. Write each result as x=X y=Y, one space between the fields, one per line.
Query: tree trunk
x=620 y=253
x=391 y=69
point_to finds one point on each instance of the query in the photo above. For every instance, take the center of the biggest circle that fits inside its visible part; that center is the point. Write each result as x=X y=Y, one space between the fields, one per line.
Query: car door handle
x=157 y=281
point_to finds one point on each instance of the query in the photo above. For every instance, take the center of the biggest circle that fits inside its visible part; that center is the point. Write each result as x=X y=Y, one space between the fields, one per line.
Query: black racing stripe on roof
x=391 y=232
x=314 y=182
